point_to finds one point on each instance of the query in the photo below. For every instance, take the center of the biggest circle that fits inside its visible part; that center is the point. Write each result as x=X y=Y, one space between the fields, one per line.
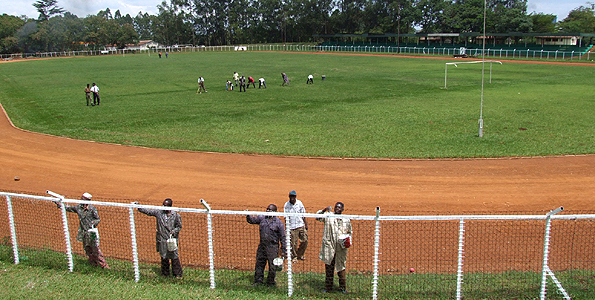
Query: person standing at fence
x=272 y=233
x=298 y=228
x=169 y=224
x=87 y=233
x=88 y=94
x=95 y=91
x=336 y=239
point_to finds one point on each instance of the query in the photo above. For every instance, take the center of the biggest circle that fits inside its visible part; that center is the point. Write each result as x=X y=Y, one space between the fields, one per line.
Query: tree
x=581 y=19
x=543 y=22
x=9 y=25
x=431 y=15
x=508 y=16
x=47 y=9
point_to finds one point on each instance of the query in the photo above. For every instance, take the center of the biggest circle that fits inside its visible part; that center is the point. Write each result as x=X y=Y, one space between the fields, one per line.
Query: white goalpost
x=467 y=62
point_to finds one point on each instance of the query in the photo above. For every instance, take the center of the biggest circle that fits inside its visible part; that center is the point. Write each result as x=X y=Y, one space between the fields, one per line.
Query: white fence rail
x=443 y=245
x=416 y=50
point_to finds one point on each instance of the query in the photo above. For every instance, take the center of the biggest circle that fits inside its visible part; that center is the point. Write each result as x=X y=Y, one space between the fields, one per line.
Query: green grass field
x=368 y=106
x=43 y=274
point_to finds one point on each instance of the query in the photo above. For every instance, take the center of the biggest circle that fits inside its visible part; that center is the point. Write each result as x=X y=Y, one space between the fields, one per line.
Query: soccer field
x=368 y=106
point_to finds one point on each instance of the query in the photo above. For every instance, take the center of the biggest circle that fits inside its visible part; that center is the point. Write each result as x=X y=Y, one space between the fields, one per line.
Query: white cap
x=87 y=196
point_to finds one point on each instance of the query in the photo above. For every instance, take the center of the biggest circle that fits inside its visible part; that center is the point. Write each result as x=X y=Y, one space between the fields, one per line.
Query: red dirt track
x=234 y=181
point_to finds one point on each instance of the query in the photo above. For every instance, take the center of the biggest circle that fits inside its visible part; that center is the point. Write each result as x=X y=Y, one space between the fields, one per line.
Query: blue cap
x=292 y=193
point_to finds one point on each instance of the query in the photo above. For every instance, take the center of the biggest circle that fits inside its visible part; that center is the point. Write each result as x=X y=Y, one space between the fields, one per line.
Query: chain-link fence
x=392 y=257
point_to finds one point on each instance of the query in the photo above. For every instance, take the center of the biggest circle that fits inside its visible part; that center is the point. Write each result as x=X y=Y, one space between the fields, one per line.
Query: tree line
x=228 y=22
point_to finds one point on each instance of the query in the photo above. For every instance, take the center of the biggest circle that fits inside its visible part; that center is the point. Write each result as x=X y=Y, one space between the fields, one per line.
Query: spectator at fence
x=88 y=94
x=261 y=83
x=298 y=227
x=169 y=224
x=87 y=233
x=310 y=79
x=95 y=91
x=336 y=238
x=272 y=233
x=285 y=79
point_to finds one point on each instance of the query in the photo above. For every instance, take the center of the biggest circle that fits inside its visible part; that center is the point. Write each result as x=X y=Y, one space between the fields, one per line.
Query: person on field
x=201 y=85
x=272 y=234
x=95 y=91
x=236 y=77
x=261 y=83
x=88 y=94
x=229 y=86
x=87 y=233
x=242 y=83
x=251 y=81
x=298 y=227
x=336 y=239
x=169 y=224
x=310 y=79
x=285 y=79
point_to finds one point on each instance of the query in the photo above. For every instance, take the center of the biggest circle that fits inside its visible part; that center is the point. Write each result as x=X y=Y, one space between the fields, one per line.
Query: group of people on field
x=240 y=81
x=244 y=83
x=336 y=239
x=95 y=90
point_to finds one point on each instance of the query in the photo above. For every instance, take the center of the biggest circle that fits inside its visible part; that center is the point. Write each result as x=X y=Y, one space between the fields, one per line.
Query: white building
x=143 y=45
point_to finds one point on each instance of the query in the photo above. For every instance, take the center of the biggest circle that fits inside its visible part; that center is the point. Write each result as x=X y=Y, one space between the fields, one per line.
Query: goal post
x=467 y=62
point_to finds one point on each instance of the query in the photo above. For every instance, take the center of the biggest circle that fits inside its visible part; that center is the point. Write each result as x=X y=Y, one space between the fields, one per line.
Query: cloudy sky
x=82 y=8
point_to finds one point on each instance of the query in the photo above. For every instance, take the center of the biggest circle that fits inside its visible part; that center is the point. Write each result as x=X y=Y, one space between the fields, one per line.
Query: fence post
x=134 y=245
x=546 y=249
x=460 y=257
x=289 y=258
x=210 y=236
x=376 y=260
x=66 y=231
x=13 y=231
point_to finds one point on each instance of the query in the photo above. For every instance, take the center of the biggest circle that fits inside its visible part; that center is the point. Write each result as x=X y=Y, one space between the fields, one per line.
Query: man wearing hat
x=298 y=227
x=272 y=233
x=169 y=224
x=88 y=219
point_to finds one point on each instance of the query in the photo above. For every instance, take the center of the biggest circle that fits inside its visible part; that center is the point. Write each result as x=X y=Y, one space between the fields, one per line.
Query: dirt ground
x=235 y=181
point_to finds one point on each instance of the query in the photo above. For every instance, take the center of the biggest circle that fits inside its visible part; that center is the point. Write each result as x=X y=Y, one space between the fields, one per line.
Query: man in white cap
x=298 y=227
x=88 y=219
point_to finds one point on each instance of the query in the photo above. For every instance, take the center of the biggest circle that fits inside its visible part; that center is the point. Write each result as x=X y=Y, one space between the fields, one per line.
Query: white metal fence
x=493 y=52
x=452 y=255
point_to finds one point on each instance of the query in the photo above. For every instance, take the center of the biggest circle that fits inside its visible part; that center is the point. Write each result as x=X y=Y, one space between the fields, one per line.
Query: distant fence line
x=384 y=246
x=492 y=52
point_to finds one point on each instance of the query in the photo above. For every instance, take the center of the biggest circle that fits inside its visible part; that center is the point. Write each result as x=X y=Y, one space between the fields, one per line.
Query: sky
x=83 y=8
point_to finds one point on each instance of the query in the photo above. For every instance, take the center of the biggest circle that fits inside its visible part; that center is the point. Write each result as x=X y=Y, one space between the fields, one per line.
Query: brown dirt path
x=234 y=181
